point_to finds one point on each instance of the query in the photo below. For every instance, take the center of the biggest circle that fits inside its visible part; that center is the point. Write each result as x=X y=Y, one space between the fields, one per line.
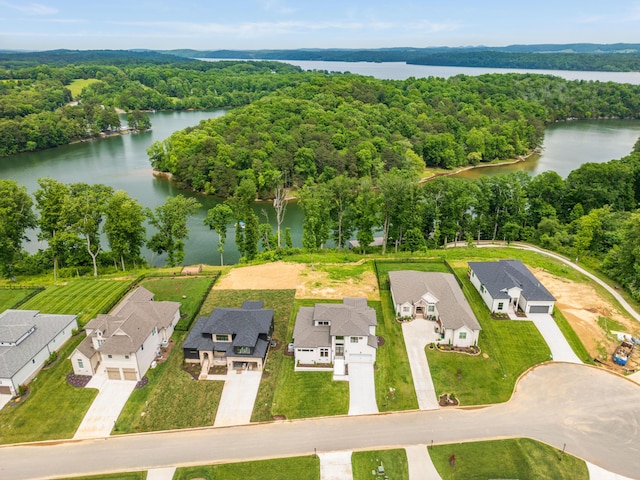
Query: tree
x=124 y=227
x=342 y=192
x=86 y=209
x=171 y=221
x=366 y=213
x=251 y=236
x=51 y=201
x=315 y=226
x=280 y=206
x=414 y=240
x=138 y=120
x=16 y=216
x=217 y=220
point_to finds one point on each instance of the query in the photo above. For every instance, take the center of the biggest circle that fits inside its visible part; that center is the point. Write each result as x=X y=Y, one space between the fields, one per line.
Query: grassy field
x=509 y=348
x=9 y=297
x=171 y=400
x=113 y=476
x=345 y=272
x=394 y=463
x=40 y=416
x=307 y=468
x=85 y=298
x=522 y=458
x=78 y=84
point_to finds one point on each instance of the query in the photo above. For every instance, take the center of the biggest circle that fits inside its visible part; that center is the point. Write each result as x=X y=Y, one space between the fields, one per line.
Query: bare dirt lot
x=582 y=306
x=307 y=282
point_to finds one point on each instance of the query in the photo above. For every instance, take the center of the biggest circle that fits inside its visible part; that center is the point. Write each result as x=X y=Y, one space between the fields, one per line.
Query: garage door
x=5 y=390
x=360 y=359
x=130 y=374
x=113 y=374
x=539 y=309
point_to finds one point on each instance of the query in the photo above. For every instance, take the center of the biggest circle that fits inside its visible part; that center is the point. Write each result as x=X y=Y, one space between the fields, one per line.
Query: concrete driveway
x=4 y=399
x=106 y=407
x=420 y=464
x=551 y=333
x=335 y=466
x=237 y=399
x=417 y=335
x=362 y=389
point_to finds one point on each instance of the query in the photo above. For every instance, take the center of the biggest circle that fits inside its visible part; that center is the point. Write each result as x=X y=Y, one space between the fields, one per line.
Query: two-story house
x=236 y=337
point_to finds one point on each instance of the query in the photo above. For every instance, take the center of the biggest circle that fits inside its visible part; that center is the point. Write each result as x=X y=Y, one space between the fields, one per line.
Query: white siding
x=29 y=370
x=87 y=366
x=307 y=356
x=484 y=294
x=119 y=362
x=147 y=353
x=360 y=348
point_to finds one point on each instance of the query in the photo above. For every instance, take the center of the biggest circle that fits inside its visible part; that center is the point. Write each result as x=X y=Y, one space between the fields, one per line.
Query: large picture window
x=324 y=353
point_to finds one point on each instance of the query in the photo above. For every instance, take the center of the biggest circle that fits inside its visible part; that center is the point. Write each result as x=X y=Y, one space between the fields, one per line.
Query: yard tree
x=86 y=209
x=124 y=227
x=314 y=203
x=342 y=191
x=367 y=213
x=251 y=236
x=240 y=203
x=51 y=202
x=217 y=220
x=16 y=216
x=170 y=219
x=414 y=240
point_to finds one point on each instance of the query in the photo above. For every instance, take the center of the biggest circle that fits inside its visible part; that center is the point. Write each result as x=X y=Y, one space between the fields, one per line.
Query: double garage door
x=539 y=309
x=360 y=358
x=126 y=374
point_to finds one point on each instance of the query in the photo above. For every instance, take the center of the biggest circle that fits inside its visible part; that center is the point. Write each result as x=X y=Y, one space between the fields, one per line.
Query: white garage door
x=360 y=358
x=539 y=309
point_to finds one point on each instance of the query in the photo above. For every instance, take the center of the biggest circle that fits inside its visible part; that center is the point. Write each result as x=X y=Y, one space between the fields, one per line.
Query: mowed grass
x=392 y=364
x=113 y=476
x=394 y=463
x=304 y=468
x=9 y=297
x=298 y=394
x=346 y=271
x=171 y=400
x=521 y=458
x=53 y=409
x=85 y=298
x=509 y=348
x=76 y=86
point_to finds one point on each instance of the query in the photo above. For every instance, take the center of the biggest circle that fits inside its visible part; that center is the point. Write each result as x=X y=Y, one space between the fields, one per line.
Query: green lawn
x=9 y=297
x=346 y=271
x=394 y=463
x=53 y=409
x=78 y=84
x=171 y=400
x=384 y=267
x=392 y=363
x=85 y=298
x=303 y=468
x=572 y=337
x=113 y=476
x=521 y=458
x=509 y=348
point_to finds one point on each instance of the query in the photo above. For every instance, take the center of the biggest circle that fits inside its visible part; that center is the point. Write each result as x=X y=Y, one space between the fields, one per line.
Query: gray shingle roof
x=497 y=277
x=47 y=327
x=453 y=308
x=353 y=317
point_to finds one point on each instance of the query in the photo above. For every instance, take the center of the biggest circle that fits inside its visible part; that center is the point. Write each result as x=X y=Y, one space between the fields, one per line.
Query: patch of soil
x=165 y=351
x=381 y=341
x=275 y=344
x=17 y=400
x=142 y=383
x=78 y=381
x=582 y=305
x=279 y=417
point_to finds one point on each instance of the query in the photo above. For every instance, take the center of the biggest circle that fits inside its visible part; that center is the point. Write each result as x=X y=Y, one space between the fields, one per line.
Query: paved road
x=596 y=414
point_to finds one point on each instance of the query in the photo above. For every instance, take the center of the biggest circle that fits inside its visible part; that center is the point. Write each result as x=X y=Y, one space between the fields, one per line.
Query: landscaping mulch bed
x=142 y=383
x=466 y=350
x=78 y=381
x=165 y=351
x=19 y=399
x=448 y=401
x=381 y=341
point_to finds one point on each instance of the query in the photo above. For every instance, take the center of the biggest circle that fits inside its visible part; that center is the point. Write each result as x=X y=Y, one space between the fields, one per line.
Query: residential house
x=27 y=339
x=124 y=343
x=335 y=334
x=437 y=297
x=236 y=337
x=508 y=286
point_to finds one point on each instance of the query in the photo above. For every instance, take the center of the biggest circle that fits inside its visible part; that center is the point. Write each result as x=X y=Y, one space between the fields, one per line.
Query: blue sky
x=256 y=24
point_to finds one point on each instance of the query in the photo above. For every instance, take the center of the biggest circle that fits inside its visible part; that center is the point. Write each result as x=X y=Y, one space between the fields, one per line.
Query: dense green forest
x=337 y=124
x=38 y=109
x=581 y=56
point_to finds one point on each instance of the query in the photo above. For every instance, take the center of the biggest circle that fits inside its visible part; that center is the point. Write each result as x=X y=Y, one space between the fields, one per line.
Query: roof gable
x=499 y=277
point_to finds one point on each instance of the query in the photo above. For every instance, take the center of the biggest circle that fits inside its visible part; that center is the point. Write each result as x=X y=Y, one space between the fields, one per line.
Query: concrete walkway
x=560 y=349
x=599 y=473
x=420 y=465
x=335 y=466
x=238 y=397
x=362 y=389
x=106 y=407
x=161 y=473
x=417 y=334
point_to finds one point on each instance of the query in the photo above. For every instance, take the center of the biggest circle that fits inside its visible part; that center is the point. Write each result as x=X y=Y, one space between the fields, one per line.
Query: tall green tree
x=217 y=220
x=124 y=227
x=16 y=216
x=170 y=219
x=314 y=203
x=342 y=194
x=366 y=213
x=52 y=200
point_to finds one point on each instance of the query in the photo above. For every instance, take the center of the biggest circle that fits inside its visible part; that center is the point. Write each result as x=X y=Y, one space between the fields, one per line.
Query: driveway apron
x=106 y=407
x=417 y=334
x=335 y=466
x=237 y=399
x=161 y=473
x=362 y=390
x=551 y=333
x=420 y=465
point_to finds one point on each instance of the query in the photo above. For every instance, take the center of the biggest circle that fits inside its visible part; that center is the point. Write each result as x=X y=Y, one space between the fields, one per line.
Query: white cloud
x=278 y=6
x=31 y=8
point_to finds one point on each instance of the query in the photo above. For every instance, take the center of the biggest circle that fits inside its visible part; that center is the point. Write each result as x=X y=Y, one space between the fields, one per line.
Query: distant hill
x=66 y=57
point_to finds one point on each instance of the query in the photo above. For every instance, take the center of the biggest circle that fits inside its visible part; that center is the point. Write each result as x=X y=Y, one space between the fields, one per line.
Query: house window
x=500 y=305
x=109 y=356
x=154 y=331
x=324 y=352
x=482 y=289
x=222 y=338
x=431 y=308
x=100 y=342
x=406 y=309
x=355 y=339
x=321 y=323
x=339 y=337
x=462 y=335
x=80 y=363
x=126 y=357
x=243 y=350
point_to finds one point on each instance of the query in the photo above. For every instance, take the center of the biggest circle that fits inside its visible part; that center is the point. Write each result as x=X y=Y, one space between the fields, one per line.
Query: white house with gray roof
x=335 y=334
x=27 y=339
x=436 y=297
x=508 y=286
x=124 y=343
